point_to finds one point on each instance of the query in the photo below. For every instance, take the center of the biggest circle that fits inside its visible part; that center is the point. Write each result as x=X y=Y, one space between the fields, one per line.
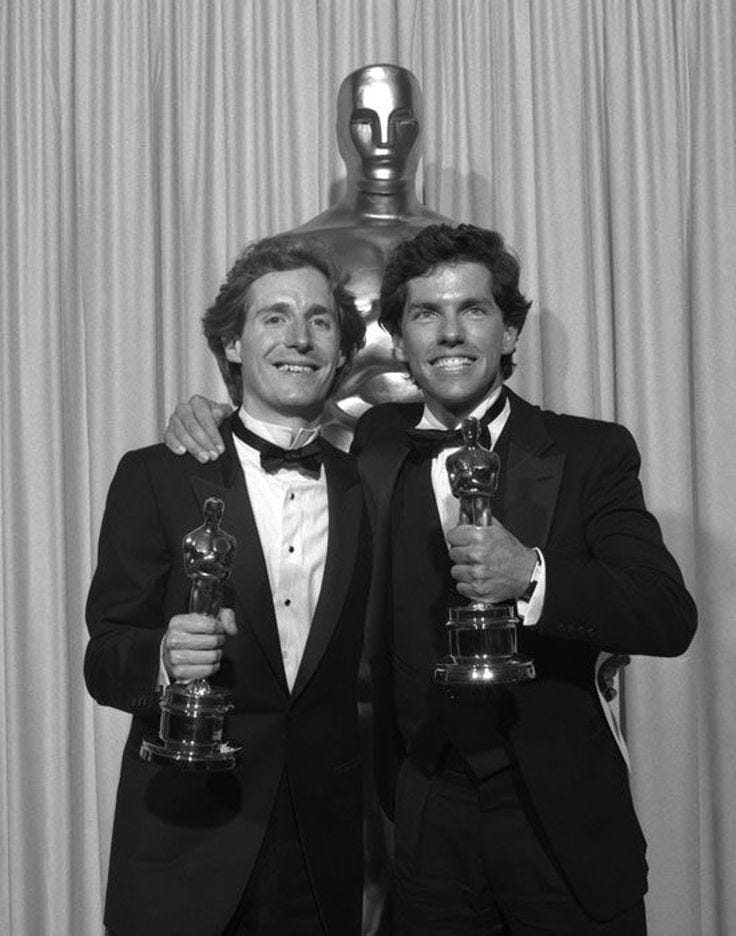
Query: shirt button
x=287 y=602
x=292 y=496
x=291 y=549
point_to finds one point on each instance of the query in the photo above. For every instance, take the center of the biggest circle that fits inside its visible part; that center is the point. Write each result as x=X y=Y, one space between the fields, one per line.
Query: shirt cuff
x=530 y=608
x=163 y=676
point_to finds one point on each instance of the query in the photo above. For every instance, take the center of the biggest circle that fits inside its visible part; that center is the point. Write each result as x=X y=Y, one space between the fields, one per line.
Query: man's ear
x=510 y=337
x=232 y=351
x=398 y=343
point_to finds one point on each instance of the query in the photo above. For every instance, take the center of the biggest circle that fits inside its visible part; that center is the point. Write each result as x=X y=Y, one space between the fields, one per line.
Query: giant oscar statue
x=379 y=134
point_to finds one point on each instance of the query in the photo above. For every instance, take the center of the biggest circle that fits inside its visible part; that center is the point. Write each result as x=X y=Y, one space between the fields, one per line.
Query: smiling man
x=512 y=807
x=276 y=845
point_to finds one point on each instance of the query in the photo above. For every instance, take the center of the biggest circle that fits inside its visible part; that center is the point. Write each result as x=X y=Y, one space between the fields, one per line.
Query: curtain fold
x=143 y=143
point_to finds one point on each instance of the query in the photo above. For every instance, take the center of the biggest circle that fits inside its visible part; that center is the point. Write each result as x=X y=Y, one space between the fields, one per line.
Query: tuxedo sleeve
x=619 y=587
x=126 y=598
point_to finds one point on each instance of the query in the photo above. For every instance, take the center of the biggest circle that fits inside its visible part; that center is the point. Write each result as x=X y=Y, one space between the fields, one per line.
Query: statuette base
x=483 y=647
x=452 y=672
x=191 y=729
x=182 y=757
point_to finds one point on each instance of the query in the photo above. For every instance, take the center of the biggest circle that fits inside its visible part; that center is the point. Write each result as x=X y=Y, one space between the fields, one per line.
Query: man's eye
x=274 y=319
x=476 y=311
x=321 y=322
x=424 y=314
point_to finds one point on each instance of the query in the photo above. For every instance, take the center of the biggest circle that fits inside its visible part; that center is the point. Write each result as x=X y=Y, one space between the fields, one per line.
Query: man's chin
x=458 y=404
x=449 y=391
x=305 y=409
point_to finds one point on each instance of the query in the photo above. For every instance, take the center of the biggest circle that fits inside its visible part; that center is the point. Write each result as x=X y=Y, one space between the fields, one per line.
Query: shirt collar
x=284 y=436
x=430 y=421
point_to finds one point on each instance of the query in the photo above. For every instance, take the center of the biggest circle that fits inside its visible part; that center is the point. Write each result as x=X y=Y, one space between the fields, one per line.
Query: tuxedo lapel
x=533 y=475
x=344 y=497
x=249 y=576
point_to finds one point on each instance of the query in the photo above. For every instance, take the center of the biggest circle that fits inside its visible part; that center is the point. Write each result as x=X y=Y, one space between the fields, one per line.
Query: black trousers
x=468 y=861
x=279 y=899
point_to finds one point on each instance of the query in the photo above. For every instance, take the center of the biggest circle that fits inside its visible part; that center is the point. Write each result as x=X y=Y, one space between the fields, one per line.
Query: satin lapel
x=534 y=474
x=345 y=506
x=249 y=577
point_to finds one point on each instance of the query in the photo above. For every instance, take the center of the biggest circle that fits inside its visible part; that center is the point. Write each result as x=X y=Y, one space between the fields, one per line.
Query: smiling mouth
x=287 y=368
x=452 y=363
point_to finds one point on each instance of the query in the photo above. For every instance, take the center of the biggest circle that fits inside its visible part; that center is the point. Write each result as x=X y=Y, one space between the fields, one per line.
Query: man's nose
x=298 y=335
x=451 y=330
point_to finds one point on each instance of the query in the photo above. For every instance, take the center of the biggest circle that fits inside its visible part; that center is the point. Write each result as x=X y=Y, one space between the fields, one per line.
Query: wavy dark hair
x=223 y=322
x=441 y=244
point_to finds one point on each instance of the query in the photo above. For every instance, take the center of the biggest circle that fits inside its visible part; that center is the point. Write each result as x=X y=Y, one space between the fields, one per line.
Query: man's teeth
x=453 y=362
x=295 y=368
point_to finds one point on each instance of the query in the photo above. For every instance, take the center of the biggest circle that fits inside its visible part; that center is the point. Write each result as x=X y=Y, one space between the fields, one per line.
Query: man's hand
x=193 y=428
x=489 y=563
x=192 y=646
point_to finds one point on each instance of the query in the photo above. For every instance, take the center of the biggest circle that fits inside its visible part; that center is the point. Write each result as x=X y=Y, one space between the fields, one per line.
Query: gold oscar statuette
x=483 y=636
x=193 y=714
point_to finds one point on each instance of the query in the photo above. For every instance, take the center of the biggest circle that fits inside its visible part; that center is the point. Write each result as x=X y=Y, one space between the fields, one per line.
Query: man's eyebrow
x=480 y=300
x=464 y=303
x=286 y=308
x=272 y=307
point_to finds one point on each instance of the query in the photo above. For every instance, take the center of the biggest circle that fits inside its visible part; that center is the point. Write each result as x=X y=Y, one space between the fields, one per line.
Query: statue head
x=379 y=125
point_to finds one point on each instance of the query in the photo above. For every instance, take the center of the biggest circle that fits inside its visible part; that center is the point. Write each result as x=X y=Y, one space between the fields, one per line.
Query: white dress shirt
x=290 y=510
x=447 y=504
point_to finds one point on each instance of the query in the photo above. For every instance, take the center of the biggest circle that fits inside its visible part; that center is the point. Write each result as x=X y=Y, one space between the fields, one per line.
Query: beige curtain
x=142 y=142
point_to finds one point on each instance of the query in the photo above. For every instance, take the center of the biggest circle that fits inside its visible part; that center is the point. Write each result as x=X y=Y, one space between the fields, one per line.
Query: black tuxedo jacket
x=184 y=844
x=572 y=489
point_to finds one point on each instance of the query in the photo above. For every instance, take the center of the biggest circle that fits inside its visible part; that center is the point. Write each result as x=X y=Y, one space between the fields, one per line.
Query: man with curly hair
x=275 y=845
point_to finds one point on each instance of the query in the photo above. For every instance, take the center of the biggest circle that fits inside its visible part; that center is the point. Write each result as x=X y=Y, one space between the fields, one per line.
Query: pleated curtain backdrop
x=143 y=142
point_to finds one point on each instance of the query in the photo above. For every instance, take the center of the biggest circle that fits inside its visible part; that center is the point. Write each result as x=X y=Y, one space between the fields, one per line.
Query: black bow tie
x=273 y=457
x=426 y=443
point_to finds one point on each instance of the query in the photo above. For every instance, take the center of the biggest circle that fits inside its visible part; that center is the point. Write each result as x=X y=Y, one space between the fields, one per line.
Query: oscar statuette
x=483 y=636
x=193 y=713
